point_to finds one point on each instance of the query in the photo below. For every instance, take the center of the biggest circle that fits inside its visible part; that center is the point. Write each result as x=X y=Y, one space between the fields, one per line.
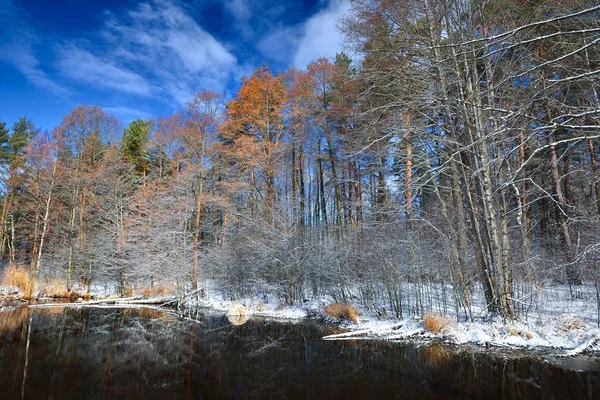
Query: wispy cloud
x=6 y=8
x=155 y=55
x=281 y=44
x=79 y=64
x=162 y=43
x=127 y=114
x=29 y=66
x=17 y=42
x=241 y=13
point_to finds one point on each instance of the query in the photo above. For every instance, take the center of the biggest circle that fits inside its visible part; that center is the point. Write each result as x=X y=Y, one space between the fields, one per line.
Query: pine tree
x=133 y=143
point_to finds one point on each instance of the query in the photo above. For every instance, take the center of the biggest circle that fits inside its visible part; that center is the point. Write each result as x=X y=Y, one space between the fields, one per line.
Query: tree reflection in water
x=98 y=353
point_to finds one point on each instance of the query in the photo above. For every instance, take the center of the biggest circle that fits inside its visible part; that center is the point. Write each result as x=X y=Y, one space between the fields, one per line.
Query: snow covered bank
x=554 y=320
x=555 y=317
x=570 y=334
x=566 y=332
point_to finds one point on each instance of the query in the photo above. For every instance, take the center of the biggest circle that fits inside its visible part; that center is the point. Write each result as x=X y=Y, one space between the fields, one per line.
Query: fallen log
x=405 y=335
x=136 y=301
x=346 y=335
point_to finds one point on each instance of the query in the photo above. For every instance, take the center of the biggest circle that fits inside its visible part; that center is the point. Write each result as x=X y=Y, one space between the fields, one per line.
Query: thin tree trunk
x=594 y=172
x=572 y=273
x=5 y=204
x=336 y=183
x=294 y=211
x=323 y=205
x=302 y=194
x=197 y=227
x=38 y=260
x=525 y=209
x=408 y=193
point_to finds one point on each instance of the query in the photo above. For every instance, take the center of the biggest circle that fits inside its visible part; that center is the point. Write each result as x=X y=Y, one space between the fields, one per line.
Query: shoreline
x=563 y=335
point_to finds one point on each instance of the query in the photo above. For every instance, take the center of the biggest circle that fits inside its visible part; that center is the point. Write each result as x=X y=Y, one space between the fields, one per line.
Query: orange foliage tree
x=254 y=129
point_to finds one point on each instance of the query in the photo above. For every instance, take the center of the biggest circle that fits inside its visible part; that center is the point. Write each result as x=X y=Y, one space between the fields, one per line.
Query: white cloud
x=79 y=64
x=321 y=37
x=127 y=114
x=199 y=53
x=163 y=43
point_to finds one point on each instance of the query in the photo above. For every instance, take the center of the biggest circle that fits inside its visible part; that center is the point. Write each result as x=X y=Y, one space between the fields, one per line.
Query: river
x=100 y=353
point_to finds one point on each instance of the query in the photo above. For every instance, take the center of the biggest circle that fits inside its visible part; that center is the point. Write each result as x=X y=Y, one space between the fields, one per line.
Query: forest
x=455 y=152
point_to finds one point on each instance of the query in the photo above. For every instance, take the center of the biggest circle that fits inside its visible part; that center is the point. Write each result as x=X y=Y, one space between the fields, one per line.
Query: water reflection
x=147 y=353
x=237 y=319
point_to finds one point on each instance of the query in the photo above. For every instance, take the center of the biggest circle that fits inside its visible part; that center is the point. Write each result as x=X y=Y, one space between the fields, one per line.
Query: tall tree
x=23 y=130
x=82 y=139
x=255 y=116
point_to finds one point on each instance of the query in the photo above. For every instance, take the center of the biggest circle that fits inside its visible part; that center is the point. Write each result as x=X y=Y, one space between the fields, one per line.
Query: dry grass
x=512 y=331
x=16 y=276
x=156 y=291
x=436 y=323
x=342 y=311
x=127 y=291
x=55 y=288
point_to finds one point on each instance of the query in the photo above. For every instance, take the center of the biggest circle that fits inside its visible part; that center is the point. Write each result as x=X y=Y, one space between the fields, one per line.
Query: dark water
x=95 y=353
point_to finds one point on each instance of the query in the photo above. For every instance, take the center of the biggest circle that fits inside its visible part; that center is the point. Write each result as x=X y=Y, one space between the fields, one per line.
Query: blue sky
x=139 y=59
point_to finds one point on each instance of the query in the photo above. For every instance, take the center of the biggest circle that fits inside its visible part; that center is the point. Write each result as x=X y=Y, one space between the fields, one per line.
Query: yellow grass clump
x=156 y=291
x=342 y=311
x=511 y=330
x=435 y=323
x=16 y=276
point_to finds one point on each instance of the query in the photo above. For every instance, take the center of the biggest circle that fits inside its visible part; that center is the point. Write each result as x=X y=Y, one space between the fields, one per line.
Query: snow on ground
x=562 y=332
x=6 y=291
x=553 y=318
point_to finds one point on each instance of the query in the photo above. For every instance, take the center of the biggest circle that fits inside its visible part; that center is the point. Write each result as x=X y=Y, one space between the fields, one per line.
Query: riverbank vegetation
x=449 y=169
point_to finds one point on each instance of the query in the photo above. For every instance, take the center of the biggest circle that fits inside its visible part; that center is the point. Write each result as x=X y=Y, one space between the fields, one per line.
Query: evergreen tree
x=4 y=143
x=22 y=132
x=133 y=143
